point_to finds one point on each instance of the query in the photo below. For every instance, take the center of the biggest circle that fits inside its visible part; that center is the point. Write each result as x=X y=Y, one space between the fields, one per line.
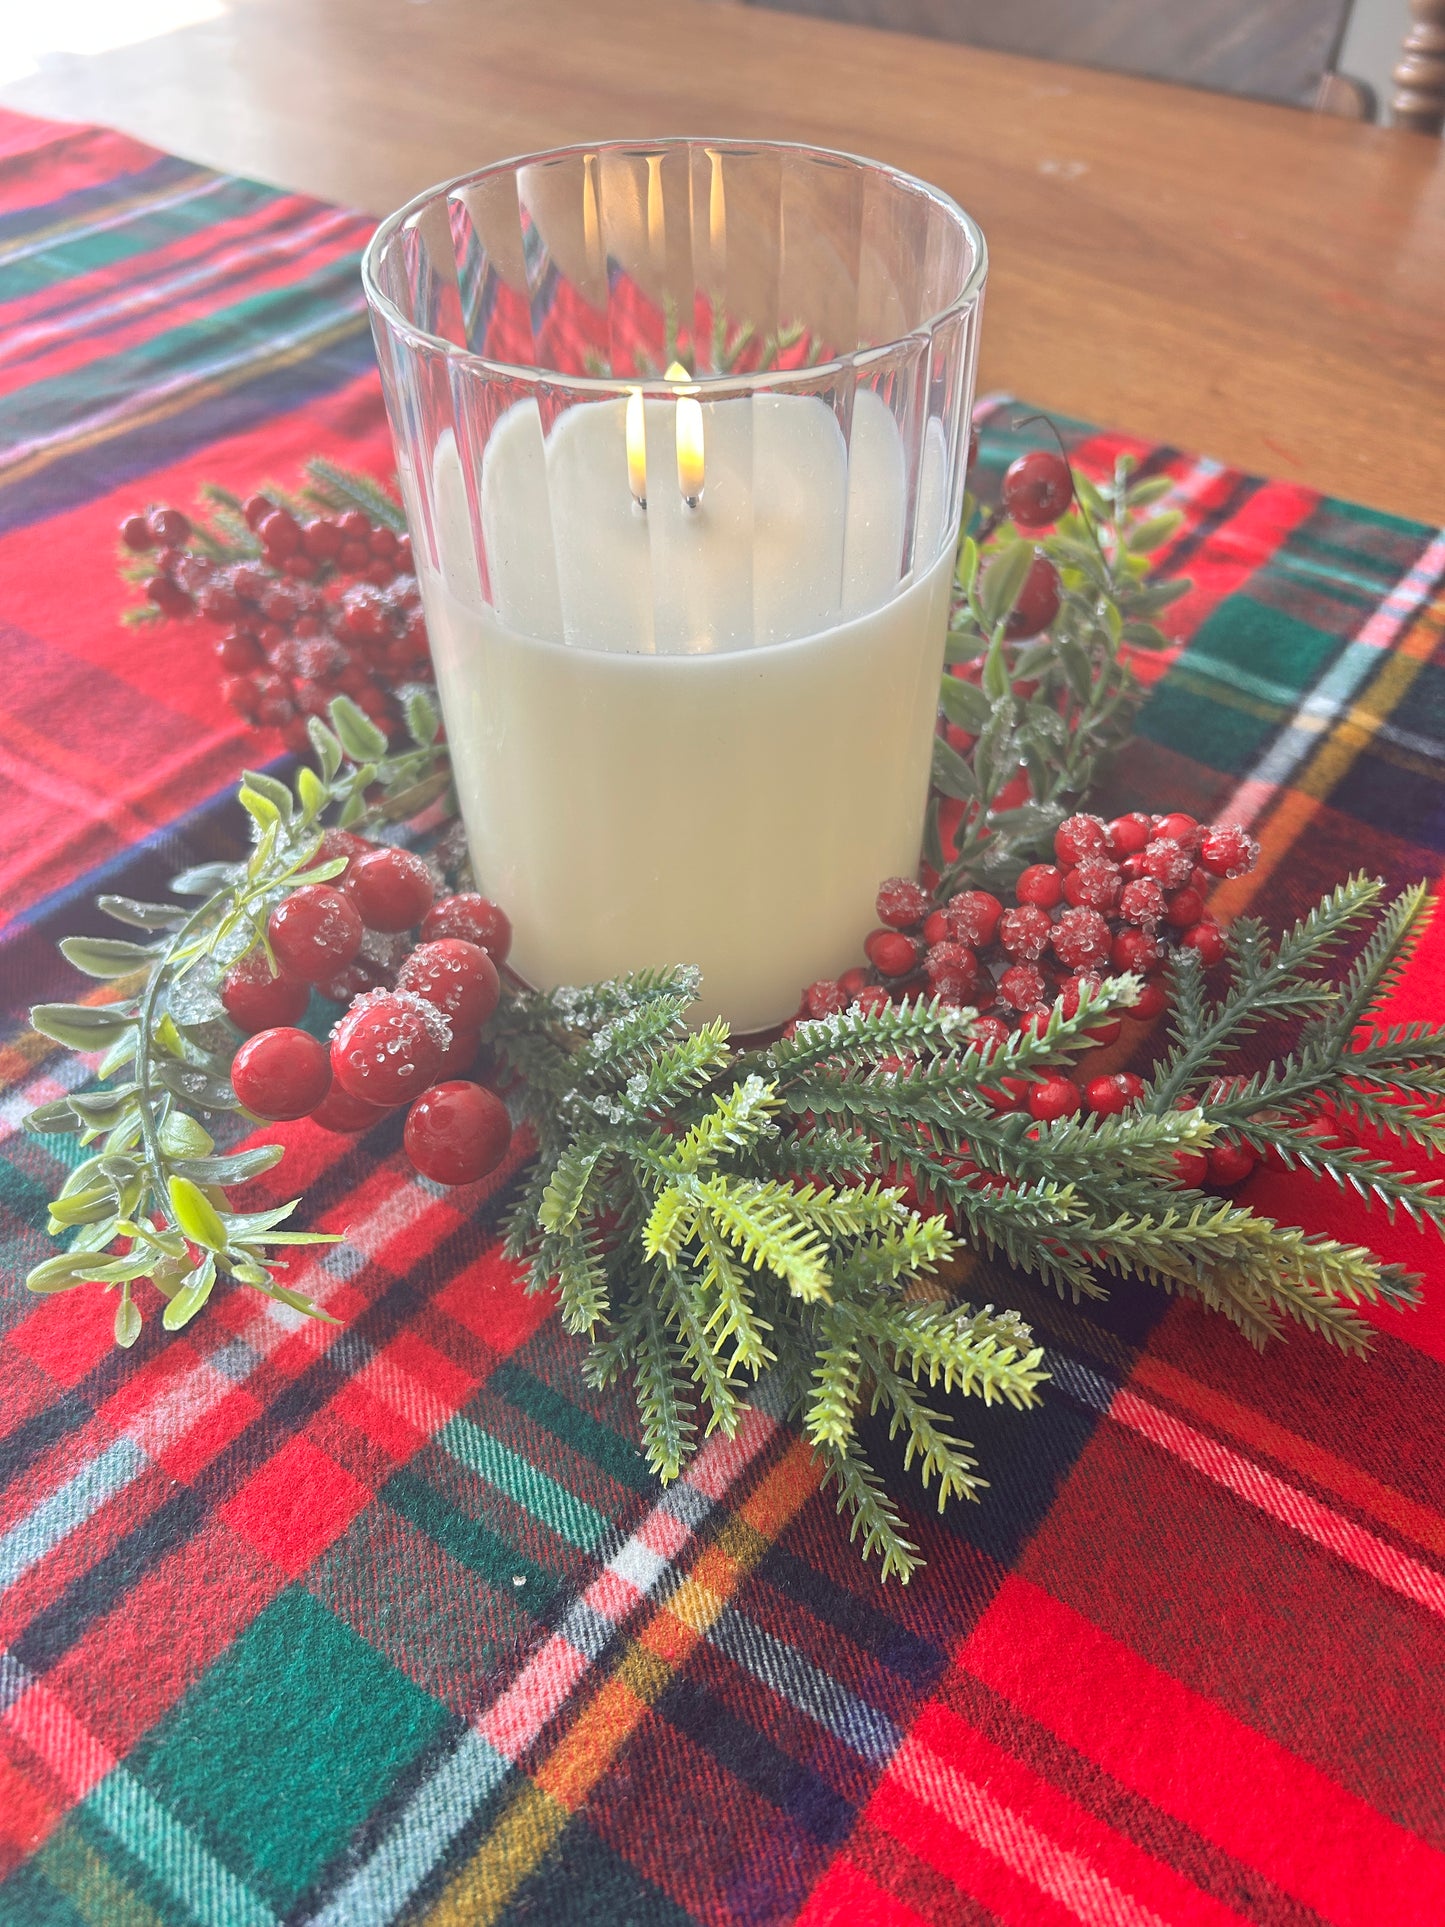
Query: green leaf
x=327 y=747
x=196 y=1086
x=196 y=1215
x=236 y=1168
x=311 y=792
x=1155 y=532
x=139 y=915
x=272 y=787
x=964 y=703
x=951 y=773
x=182 y=1137
x=106 y=956
x=258 y=806
x=1003 y=579
x=360 y=737
x=204 y=880
x=83 y=1027
x=422 y=721
x=127 y=1321
x=995 y=684
x=52 y=1120
x=967 y=567
x=1153 y=489
x=63 y=1273
x=191 y=1296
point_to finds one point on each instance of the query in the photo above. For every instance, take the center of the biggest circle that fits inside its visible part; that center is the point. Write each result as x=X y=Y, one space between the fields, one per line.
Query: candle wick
x=693 y=502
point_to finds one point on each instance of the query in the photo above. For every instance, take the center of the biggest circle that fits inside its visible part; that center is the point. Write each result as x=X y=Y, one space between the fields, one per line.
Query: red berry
x=1167 y=862
x=1036 y=1020
x=340 y=1111
x=1080 y=938
x=902 y=903
x=871 y=999
x=1016 y=791
x=281 y=533
x=1191 y=1168
x=1037 y=488
x=825 y=998
x=852 y=981
x=347 y=985
x=935 y=927
x=457 y=1133
x=314 y=932
x=1041 y=884
x=1012 y=1095
x=1153 y=1002
x=237 y=652
x=473 y=919
x=1024 y=932
x=1228 y=851
x=1078 y=837
x=890 y=952
x=168 y=598
x=1180 y=829
x=1055 y=1097
x=137 y=534
x=1109 y=1096
x=352 y=557
x=1038 y=600
x=1230 y=1163
x=952 y=960
x=1142 y=902
x=459 y=1055
x=1021 y=985
x=281 y=1074
x=1129 y=834
x=1136 y=950
x=973 y=917
x=321 y=540
x=255 y=999
x=1095 y=883
x=256 y=509
x=1209 y=940
x=170 y=526
x=240 y=692
x=392 y=889
x=388 y=1047
x=1184 y=908
x=458 y=977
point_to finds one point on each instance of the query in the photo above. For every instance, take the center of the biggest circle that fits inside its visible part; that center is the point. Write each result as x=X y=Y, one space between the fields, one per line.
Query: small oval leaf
x=196 y=1215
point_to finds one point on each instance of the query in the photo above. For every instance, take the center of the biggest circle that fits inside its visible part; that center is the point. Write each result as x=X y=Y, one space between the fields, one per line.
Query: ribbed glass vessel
x=682 y=428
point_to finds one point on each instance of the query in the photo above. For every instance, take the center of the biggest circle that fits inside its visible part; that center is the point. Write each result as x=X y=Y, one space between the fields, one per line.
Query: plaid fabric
x=387 y=1621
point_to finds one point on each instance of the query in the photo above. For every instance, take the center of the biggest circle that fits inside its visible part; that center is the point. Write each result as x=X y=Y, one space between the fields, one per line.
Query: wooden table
x=1261 y=284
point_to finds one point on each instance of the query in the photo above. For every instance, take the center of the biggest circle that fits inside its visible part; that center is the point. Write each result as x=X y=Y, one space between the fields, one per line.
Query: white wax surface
x=691 y=736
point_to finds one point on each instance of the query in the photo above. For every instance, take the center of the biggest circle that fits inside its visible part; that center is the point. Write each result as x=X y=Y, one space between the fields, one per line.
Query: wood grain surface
x=1254 y=282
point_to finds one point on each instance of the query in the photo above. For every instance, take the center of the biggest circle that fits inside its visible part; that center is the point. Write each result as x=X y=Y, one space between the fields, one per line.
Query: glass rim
x=715 y=385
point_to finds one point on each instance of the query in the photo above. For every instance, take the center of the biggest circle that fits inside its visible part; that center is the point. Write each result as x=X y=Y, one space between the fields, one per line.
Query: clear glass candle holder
x=682 y=430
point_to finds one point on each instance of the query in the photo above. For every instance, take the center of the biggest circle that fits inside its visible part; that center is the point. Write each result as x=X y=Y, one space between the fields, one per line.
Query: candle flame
x=716 y=205
x=637 y=448
x=689 y=440
x=591 y=226
x=656 y=228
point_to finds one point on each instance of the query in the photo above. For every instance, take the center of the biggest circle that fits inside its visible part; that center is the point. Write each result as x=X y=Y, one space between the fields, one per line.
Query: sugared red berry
x=474 y=919
x=1185 y=907
x=1041 y=884
x=1021 y=985
x=281 y=533
x=1180 y=829
x=973 y=917
x=952 y=971
x=825 y=998
x=255 y=998
x=457 y=1133
x=388 y=1046
x=1055 y=1097
x=1078 y=837
x=314 y=932
x=1024 y=933
x=1037 y=488
x=1142 y=902
x=170 y=526
x=137 y=534
x=1136 y=950
x=989 y=1034
x=459 y=978
x=902 y=903
x=890 y=952
x=1109 y=1096
x=1080 y=938
x=1228 y=851
x=1230 y=1163
x=1095 y=883
x=282 y=1073
x=1129 y=834
x=392 y=889
x=852 y=981
x=341 y=1112
x=1208 y=940
x=1168 y=862
x=871 y=999
x=935 y=927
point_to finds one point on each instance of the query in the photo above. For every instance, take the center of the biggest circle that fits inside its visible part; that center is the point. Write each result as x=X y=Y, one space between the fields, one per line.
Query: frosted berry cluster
x=419 y=979
x=330 y=607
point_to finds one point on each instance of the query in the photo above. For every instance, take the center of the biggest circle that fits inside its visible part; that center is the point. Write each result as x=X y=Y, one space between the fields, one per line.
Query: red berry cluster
x=412 y=1029
x=1115 y=897
x=330 y=607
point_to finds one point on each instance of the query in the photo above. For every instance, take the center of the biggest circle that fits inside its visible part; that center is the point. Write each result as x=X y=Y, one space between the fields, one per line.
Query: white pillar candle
x=691 y=735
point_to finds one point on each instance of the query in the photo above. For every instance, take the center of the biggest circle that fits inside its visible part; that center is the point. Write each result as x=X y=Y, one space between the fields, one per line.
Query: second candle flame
x=637 y=448
x=689 y=441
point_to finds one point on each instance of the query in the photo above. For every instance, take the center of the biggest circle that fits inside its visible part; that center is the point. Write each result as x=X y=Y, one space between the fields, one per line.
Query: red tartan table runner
x=387 y=1621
